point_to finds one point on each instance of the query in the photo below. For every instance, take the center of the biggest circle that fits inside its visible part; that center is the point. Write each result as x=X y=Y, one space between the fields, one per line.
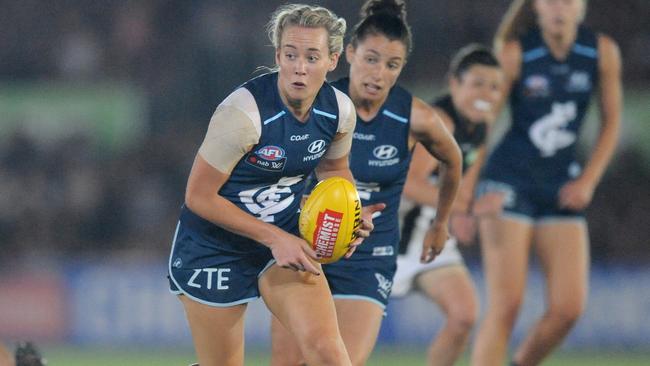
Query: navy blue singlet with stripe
x=268 y=182
x=548 y=105
x=220 y=268
x=379 y=160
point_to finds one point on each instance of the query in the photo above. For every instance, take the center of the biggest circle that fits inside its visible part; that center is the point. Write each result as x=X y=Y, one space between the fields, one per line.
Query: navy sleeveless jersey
x=548 y=104
x=268 y=181
x=379 y=160
x=469 y=136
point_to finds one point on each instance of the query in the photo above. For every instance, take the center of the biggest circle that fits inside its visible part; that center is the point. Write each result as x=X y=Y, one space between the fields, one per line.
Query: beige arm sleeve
x=234 y=127
x=347 y=121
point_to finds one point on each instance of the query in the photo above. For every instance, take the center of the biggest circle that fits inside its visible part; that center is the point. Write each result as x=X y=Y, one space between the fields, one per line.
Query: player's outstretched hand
x=434 y=241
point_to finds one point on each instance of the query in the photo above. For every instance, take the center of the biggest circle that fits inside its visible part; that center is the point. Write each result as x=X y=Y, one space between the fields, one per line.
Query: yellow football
x=329 y=218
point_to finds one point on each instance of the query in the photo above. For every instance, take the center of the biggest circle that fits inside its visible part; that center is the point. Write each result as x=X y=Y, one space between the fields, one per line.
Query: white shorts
x=409 y=266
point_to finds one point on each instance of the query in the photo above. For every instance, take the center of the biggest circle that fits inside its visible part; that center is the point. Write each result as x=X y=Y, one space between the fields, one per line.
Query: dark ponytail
x=383 y=17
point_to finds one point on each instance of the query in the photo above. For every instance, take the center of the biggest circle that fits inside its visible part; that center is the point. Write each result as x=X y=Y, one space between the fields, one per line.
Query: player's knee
x=565 y=315
x=328 y=350
x=462 y=320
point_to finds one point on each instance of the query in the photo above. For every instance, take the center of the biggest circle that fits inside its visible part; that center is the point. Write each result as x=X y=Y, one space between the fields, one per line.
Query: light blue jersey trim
x=535 y=54
x=517 y=217
x=269 y=120
x=550 y=220
x=392 y=115
x=585 y=50
x=359 y=297
x=183 y=292
x=328 y=115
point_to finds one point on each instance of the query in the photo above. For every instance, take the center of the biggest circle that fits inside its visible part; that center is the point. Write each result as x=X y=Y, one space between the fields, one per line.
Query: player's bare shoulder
x=609 y=54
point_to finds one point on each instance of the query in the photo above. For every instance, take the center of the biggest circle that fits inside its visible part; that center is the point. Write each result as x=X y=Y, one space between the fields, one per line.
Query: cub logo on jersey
x=549 y=133
x=265 y=202
x=537 y=86
x=269 y=157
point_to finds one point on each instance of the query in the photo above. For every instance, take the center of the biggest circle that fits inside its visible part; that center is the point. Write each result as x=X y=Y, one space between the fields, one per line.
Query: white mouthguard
x=482 y=105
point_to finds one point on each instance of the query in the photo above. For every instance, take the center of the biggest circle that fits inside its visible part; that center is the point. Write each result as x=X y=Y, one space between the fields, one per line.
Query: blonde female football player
x=237 y=236
x=390 y=122
x=534 y=191
x=475 y=82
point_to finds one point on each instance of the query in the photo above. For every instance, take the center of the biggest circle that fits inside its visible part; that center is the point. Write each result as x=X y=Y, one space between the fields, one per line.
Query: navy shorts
x=213 y=274
x=363 y=278
x=528 y=202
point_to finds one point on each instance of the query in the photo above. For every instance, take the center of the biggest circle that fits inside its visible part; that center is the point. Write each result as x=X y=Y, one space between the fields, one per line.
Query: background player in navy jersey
x=390 y=122
x=535 y=191
x=475 y=82
x=237 y=233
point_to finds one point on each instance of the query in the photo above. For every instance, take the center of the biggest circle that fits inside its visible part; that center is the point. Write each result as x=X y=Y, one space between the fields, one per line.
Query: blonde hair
x=309 y=17
x=519 y=19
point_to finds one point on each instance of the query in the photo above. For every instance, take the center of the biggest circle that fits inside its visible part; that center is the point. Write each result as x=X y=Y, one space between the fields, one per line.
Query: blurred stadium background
x=102 y=107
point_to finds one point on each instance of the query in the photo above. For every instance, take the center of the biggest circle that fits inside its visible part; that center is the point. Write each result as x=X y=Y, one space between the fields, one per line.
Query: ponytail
x=383 y=17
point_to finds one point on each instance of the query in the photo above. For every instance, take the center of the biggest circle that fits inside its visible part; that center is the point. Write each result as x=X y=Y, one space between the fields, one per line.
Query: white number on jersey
x=548 y=133
x=365 y=189
x=265 y=202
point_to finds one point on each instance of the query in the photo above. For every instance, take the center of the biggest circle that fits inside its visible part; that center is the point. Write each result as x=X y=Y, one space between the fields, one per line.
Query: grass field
x=68 y=356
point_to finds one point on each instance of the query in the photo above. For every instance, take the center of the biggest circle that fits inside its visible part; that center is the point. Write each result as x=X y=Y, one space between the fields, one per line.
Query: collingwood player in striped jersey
x=475 y=81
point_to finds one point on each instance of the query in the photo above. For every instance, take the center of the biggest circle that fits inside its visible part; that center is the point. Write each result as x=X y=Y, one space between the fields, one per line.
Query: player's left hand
x=576 y=194
x=366 y=226
x=434 y=241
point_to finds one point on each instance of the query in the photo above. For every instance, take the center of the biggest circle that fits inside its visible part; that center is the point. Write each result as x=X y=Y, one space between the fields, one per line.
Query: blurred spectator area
x=104 y=103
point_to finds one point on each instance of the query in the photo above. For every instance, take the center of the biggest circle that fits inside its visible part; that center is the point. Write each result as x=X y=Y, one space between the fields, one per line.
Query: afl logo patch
x=270 y=153
x=316 y=146
x=384 y=152
x=537 y=86
x=269 y=157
